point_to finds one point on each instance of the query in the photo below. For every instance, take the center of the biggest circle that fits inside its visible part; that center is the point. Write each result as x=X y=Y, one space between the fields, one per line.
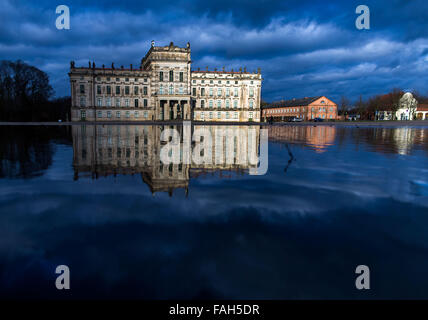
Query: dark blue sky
x=305 y=48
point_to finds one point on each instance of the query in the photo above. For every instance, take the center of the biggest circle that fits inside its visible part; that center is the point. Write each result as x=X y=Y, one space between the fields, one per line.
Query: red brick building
x=422 y=111
x=305 y=108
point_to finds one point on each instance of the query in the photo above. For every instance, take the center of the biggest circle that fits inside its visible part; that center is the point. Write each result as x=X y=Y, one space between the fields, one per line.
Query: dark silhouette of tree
x=24 y=91
x=344 y=105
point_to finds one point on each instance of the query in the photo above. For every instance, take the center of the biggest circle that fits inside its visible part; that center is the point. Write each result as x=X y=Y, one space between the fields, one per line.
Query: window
x=117 y=89
x=322 y=101
x=145 y=79
x=251 y=103
x=203 y=81
x=202 y=115
x=236 y=92
x=181 y=77
x=194 y=81
x=109 y=114
x=99 y=102
x=126 y=89
x=136 y=90
x=117 y=79
x=219 y=81
x=117 y=102
x=211 y=104
x=98 y=89
x=100 y=114
x=236 y=82
x=126 y=79
x=251 y=92
x=117 y=114
x=136 y=114
x=202 y=103
x=108 y=102
x=108 y=78
x=331 y=109
x=236 y=115
x=126 y=102
x=108 y=89
x=171 y=75
x=211 y=81
x=250 y=115
x=211 y=92
x=235 y=103
x=146 y=114
x=136 y=103
x=218 y=115
x=145 y=91
x=202 y=91
x=180 y=90
x=227 y=115
x=83 y=114
x=211 y=115
x=128 y=114
x=161 y=76
x=194 y=91
x=82 y=88
x=171 y=89
x=218 y=103
x=82 y=101
x=145 y=102
x=227 y=103
x=227 y=92
x=219 y=91
x=251 y=81
x=161 y=89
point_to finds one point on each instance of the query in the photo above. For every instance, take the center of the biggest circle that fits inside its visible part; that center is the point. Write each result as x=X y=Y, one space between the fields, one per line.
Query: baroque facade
x=164 y=88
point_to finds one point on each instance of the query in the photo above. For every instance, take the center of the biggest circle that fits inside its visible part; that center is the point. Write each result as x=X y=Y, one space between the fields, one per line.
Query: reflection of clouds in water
x=293 y=235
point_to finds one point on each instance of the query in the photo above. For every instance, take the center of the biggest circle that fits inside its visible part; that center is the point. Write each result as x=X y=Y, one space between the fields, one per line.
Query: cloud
x=304 y=48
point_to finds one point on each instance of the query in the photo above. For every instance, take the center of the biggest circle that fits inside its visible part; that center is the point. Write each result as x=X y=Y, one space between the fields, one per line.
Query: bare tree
x=344 y=105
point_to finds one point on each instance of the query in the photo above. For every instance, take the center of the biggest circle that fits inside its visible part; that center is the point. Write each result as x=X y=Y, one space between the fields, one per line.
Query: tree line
x=382 y=102
x=26 y=95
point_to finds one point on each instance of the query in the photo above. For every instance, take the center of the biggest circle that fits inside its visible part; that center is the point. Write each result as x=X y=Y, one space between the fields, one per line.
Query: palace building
x=164 y=88
x=305 y=109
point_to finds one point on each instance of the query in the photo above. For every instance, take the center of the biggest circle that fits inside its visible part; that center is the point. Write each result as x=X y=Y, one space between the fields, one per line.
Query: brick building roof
x=422 y=107
x=293 y=102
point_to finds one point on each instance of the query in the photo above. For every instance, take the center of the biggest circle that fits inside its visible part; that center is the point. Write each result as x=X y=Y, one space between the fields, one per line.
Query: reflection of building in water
x=317 y=137
x=131 y=149
x=396 y=140
x=233 y=148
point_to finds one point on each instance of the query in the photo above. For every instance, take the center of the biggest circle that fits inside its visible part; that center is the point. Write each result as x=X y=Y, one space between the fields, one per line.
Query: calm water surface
x=97 y=200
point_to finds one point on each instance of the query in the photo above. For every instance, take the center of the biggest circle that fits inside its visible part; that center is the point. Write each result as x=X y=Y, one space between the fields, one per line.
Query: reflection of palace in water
x=110 y=150
x=316 y=137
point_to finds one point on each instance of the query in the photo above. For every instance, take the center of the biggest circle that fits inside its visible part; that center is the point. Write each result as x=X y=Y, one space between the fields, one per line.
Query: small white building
x=407 y=109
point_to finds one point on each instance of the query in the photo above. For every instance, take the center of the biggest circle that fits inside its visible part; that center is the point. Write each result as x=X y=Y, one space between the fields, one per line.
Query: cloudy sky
x=304 y=48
